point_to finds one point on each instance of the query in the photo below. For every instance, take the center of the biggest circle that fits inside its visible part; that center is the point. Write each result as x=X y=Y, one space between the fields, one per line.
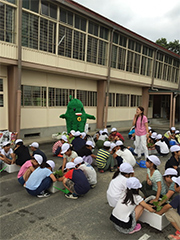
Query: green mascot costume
x=75 y=115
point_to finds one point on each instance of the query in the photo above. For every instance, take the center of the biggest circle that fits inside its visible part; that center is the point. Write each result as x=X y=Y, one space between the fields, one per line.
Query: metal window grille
x=65 y=41
x=32 y=5
x=129 y=66
x=143 y=65
x=135 y=100
x=122 y=100
x=59 y=96
x=1 y=85
x=111 y=100
x=93 y=28
x=92 y=49
x=114 y=56
x=136 y=62
x=33 y=96
x=1 y=95
x=102 y=53
x=79 y=45
x=88 y=98
x=149 y=67
x=7 y=23
x=121 y=58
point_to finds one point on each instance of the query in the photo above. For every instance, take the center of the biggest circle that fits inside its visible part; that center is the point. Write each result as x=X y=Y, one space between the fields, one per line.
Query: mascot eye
x=74 y=109
x=81 y=109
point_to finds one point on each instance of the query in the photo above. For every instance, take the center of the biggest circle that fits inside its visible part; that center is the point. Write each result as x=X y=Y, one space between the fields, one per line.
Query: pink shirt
x=24 y=168
x=140 y=129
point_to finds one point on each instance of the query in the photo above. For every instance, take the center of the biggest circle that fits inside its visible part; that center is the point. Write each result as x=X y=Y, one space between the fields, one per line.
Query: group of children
x=79 y=175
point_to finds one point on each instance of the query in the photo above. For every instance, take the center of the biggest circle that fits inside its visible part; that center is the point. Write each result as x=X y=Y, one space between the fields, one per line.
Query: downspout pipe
x=18 y=110
x=108 y=80
x=153 y=72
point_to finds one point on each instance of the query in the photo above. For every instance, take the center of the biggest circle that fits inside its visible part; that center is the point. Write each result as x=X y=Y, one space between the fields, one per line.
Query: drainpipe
x=174 y=109
x=153 y=72
x=108 y=80
x=18 y=110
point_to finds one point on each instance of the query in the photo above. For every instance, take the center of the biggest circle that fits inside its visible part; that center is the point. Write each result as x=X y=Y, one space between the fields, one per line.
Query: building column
x=101 y=90
x=145 y=99
x=12 y=97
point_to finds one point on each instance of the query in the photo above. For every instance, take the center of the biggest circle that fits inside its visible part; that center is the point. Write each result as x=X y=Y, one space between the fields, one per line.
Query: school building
x=52 y=49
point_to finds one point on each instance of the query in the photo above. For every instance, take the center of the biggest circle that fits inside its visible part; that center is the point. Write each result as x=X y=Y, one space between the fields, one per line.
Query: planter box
x=10 y=168
x=154 y=220
x=57 y=184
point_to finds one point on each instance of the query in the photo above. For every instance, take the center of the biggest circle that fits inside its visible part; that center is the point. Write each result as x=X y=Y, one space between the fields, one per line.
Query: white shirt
x=7 y=154
x=72 y=156
x=117 y=186
x=163 y=147
x=122 y=211
x=126 y=156
x=89 y=172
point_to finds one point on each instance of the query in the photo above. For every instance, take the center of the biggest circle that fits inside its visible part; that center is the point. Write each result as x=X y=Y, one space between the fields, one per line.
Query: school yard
x=56 y=217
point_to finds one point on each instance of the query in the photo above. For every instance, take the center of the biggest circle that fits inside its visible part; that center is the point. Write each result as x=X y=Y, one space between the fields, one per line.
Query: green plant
x=58 y=173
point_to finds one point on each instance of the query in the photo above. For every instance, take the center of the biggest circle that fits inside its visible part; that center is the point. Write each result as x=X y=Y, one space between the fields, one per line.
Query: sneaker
x=93 y=186
x=136 y=229
x=112 y=170
x=101 y=171
x=71 y=195
x=41 y=195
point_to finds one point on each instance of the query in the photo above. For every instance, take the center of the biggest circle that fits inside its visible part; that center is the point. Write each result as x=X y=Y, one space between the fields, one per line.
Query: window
x=29 y=30
x=1 y=93
x=111 y=100
x=115 y=38
x=114 y=56
x=135 y=100
x=59 y=97
x=122 y=100
x=143 y=65
x=47 y=35
x=121 y=58
x=11 y=1
x=80 y=23
x=32 y=5
x=33 y=96
x=88 y=98
x=123 y=41
x=102 y=53
x=129 y=65
x=131 y=44
x=138 y=47
x=79 y=45
x=93 y=28
x=48 y=9
x=65 y=41
x=104 y=33
x=66 y=16
x=92 y=49
x=7 y=23
x=136 y=62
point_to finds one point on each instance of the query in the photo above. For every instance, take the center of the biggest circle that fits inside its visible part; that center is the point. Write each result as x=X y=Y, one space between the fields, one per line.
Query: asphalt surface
x=56 y=217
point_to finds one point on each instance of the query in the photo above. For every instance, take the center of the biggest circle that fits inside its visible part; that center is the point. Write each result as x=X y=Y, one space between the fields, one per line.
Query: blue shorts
x=21 y=180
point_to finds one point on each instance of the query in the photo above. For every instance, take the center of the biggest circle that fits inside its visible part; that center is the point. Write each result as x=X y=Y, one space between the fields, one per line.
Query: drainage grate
x=31 y=135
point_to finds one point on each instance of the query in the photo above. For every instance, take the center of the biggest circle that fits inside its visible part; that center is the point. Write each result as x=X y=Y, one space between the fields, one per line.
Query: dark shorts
x=21 y=180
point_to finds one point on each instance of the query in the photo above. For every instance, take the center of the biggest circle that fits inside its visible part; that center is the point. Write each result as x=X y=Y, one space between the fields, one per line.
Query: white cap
x=90 y=143
x=149 y=128
x=65 y=147
x=5 y=143
x=107 y=144
x=105 y=130
x=70 y=165
x=34 y=144
x=126 y=168
x=154 y=135
x=170 y=171
x=173 y=129
x=83 y=134
x=119 y=143
x=72 y=132
x=38 y=158
x=51 y=164
x=176 y=180
x=113 y=130
x=175 y=148
x=63 y=137
x=100 y=132
x=133 y=183
x=154 y=159
x=177 y=131
x=113 y=145
x=18 y=140
x=77 y=134
x=159 y=136
x=78 y=160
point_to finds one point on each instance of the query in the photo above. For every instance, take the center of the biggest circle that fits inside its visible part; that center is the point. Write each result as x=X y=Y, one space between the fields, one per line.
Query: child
x=118 y=183
x=68 y=154
x=88 y=170
x=35 y=150
x=28 y=167
x=161 y=146
x=86 y=152
x=174 y=161
x=75 y=181
x=169 y=209
x=104 y=159
x=129 y=208
x=70 y=136
x=41 y=179
x=170 y=133
x=6 y=153
x=115 y=135
x=56 y=149
x=21 y=153
x=154 y=184
x=125 y=154
x=78 y=142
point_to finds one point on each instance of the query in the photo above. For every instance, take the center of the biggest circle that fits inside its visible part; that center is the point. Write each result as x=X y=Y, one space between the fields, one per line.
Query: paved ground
x=26 y=217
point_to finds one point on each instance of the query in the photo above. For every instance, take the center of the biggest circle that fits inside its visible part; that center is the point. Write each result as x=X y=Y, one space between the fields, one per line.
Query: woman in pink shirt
x=141 y=129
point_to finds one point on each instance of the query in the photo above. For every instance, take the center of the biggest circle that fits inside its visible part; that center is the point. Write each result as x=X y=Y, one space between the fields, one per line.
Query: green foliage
x=58 y=173
x=172 y=46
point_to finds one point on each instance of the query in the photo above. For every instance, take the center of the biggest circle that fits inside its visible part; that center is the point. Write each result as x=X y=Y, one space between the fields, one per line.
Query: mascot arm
x=90 y=116
x=62 y=116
